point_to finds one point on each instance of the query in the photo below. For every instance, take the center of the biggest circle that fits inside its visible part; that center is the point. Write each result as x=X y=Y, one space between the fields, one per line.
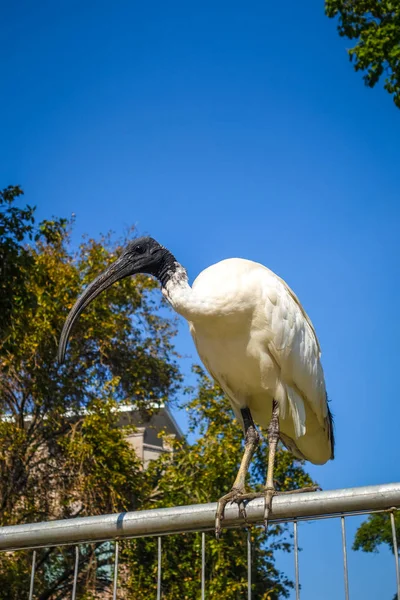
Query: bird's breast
x=236 y=359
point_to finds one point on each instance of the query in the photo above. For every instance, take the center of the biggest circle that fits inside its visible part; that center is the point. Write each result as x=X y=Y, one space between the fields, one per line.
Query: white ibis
x=255 y=339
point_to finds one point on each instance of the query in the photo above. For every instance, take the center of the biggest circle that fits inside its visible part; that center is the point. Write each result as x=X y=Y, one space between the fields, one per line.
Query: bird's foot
x=235 y=495
x=239 y=496
x=268 y=493
x=310 y=488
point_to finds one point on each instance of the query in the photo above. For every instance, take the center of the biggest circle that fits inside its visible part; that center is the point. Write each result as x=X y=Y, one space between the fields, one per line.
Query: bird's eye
x=140 y=249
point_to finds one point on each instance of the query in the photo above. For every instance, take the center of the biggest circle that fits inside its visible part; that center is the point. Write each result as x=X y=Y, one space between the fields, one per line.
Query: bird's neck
x=170 y=270
x=176 y=288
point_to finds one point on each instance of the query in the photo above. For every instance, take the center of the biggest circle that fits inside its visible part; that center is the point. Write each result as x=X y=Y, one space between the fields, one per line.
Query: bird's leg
x=251 y=440
x=269 y=490
x=273 y=438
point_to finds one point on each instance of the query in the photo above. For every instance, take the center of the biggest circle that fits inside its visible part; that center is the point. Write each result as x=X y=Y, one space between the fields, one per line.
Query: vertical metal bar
x=75 y=572
x=396 y=552
x=203 y=565
x=32 y=574
x=248 y=565
x=159 y=569
x=115 y=570
x=345 y=571
x=296 y=560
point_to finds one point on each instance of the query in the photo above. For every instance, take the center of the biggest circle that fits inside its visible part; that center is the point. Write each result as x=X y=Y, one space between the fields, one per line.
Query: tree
x=16 y=224
x=376 y=531
x=61 y=452
x=375 y=27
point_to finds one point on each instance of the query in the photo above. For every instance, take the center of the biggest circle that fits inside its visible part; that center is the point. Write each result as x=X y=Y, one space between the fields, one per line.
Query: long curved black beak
x=119 y=269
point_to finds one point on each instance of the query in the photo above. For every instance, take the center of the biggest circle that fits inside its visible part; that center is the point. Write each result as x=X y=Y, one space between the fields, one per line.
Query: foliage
x=61 y=452
x=15 y=225
x=375 y=531
x=375 y=25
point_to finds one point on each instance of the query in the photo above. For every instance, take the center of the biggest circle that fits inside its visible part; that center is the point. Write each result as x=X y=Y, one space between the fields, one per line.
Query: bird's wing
x=294 y=346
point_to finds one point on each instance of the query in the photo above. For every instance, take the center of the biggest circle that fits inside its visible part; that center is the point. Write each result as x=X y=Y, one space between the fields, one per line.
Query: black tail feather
x=331 y=426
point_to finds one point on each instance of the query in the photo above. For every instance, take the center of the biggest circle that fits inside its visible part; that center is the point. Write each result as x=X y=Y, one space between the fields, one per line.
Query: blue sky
x=225 y=129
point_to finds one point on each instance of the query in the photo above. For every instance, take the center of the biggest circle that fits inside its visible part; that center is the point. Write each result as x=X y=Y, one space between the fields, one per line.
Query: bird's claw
x=269 y=494
x=234 y=496
x=242 y=507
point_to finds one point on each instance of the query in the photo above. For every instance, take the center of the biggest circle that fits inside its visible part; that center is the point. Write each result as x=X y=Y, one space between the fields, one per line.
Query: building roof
x=161 y=419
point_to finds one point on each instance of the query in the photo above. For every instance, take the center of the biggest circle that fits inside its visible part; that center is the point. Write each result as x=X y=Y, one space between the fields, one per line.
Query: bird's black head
x=143 y=255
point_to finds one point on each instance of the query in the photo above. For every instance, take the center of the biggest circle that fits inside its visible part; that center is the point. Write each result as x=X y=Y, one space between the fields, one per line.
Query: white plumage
x=257 y=342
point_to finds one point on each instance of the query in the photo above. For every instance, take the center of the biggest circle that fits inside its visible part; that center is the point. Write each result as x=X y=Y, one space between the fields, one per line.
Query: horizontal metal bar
x=198 y=517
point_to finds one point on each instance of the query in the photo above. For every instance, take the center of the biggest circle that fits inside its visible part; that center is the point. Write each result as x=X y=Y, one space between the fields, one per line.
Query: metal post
x=159 y=570
x=344 y=547
x=116 y=570
x=32 y=574
x=396 y=552
x=75 y=572
x=248 y=565
x=203 y=566
x=296 y=560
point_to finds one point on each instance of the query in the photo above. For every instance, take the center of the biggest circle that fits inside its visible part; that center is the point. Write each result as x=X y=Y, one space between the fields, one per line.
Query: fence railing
x=200 y=517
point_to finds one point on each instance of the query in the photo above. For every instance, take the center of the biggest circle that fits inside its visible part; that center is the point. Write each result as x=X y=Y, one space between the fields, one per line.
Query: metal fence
x=200 y=518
